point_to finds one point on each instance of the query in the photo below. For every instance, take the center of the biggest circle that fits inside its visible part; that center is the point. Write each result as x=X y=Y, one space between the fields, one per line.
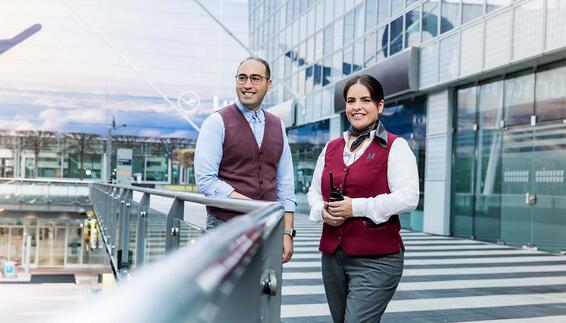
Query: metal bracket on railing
x=269 y=283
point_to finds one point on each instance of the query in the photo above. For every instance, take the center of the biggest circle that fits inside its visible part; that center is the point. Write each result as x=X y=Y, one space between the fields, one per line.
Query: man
x=243 y=152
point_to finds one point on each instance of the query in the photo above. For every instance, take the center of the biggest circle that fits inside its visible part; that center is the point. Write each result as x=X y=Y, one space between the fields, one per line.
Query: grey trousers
x=212 y=222
x=358 y=289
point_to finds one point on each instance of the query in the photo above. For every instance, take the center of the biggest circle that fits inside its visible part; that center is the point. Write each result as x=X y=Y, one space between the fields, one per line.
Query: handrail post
x=143 y=210
x=124 y=229
x=172 y=230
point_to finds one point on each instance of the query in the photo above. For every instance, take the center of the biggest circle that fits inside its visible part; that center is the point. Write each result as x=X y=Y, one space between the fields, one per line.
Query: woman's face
x=361 y=110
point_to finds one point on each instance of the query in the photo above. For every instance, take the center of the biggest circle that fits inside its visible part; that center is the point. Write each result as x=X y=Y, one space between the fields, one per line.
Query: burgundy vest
x=249 y=169
x=366 y=177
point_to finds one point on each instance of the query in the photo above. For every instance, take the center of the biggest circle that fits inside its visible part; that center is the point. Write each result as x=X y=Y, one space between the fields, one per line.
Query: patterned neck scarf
x=361 y=134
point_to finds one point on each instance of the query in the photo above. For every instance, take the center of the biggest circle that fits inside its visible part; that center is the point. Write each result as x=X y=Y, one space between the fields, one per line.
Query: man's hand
x=236 y=195
x=331 y=220
x=341 y=209
x=287 y=248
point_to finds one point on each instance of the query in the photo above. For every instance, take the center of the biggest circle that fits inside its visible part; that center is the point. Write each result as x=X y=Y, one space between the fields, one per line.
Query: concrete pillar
x=436 y=219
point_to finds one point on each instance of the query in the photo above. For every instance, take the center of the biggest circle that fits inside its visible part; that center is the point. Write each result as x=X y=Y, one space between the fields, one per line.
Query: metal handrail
x=238 y=205
x=48 y=180
x=231 y=273
x=114 y=207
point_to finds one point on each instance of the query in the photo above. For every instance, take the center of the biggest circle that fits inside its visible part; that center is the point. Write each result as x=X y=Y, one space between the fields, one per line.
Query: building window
x=450 y=15
x=396 y=35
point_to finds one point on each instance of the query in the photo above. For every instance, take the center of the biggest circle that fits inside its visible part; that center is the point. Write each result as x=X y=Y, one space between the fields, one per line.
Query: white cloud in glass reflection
x=92 y=113
x=93 y=60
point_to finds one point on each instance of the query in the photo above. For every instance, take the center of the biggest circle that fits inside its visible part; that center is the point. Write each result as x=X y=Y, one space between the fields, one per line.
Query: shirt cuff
x=223 y=190
x=316 y=213
x=289 y=206
x=359 y=206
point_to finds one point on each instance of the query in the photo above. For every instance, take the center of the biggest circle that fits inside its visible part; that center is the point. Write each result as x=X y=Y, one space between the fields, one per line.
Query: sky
x=95 y=60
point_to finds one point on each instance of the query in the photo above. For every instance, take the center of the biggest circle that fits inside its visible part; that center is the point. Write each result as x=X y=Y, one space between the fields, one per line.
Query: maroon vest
x=249 y=169
x=366 y=177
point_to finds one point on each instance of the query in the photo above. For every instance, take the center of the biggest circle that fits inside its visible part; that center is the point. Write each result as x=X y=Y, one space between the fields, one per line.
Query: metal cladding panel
x=285 y=111
x=398 y=74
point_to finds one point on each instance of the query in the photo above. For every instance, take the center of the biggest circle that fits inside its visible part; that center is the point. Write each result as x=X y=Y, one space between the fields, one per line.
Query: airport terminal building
x=477 y=87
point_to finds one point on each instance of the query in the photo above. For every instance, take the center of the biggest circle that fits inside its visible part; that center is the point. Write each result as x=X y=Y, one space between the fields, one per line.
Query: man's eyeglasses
x=254 y=78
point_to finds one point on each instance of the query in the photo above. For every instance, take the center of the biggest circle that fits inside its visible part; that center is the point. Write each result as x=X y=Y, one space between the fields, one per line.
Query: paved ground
x=23 y=302
x=445 y=280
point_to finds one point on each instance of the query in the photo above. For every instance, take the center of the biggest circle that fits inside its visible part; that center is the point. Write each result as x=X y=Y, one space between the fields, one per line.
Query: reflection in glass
x=348 y=61
x=412 y=28
x=519 y=99
x=358 y=55
x=383 y=43
x=488 y=167
x=549 y=185
x=370 y=49
x=396 y=35
x=466 y=109
x=496 y=4
x=471 y=9
x=490 y=105
x=348 y=28
x=383 y=11
x=551 y=94
x=371 y=14
x=408 y=120
x=306 y=143
x=450 y=15
x=396 y=5
x=462 y=211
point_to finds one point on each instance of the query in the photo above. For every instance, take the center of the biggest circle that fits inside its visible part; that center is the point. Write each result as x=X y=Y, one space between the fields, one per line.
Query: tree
x=186 y=157
x=82 y=144
x=35 y=141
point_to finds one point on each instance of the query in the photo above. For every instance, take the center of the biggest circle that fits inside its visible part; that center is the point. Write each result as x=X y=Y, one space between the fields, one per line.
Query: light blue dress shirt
x=208 y=155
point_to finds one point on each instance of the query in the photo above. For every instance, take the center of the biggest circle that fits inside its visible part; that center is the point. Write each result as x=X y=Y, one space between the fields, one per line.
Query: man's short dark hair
x=261 y=60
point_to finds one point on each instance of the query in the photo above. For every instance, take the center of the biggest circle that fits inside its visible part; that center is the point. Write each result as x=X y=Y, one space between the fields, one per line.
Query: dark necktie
x=361 y=135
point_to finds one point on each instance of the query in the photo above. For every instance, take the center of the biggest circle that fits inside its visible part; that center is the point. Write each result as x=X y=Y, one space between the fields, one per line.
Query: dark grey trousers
x=212 y=222
x=358 y=289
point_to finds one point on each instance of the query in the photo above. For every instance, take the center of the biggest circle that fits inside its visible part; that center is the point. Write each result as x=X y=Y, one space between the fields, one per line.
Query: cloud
x=17 y=124
x=55 y=119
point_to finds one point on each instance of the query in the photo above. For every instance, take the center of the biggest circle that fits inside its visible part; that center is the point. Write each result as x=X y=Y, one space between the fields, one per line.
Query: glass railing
x=44 y=191
x=178 y=272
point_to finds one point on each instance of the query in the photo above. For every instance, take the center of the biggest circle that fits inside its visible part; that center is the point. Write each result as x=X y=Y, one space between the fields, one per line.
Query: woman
x=376 y=173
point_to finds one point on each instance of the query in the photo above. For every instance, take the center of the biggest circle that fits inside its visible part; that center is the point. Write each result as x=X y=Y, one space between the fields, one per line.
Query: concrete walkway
x=445 y=280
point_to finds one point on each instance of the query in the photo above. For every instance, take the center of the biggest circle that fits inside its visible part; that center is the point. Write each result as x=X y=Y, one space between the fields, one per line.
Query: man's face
x=250 y=94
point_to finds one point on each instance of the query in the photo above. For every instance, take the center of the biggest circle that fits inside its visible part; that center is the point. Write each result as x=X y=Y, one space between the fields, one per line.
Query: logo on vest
x=371 y=155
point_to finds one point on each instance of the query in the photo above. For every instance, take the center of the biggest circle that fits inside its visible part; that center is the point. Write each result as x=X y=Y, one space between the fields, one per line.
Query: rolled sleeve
x=285 y=176
x=208 y=154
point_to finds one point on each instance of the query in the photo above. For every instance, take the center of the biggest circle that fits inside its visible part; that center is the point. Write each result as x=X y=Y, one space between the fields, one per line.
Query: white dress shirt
x=402 y=177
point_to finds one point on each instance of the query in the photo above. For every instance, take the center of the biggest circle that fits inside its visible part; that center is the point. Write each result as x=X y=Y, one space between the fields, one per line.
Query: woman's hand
x=331 y=220
x=341 y=209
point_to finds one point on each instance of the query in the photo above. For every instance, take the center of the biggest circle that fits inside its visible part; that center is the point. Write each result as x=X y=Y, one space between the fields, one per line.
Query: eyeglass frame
x=249 y=77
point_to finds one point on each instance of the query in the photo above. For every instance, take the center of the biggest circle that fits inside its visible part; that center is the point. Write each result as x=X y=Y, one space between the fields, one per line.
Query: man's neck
x=240 y=104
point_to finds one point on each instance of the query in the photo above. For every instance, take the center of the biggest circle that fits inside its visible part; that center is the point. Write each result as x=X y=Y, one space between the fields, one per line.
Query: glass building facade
x=489 y=92
x=510 y=159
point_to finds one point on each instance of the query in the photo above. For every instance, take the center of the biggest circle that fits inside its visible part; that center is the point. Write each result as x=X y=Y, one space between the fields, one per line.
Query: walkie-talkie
x=335 y=193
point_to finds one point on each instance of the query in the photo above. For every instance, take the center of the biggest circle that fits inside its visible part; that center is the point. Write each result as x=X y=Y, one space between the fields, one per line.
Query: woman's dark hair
x=373 y=85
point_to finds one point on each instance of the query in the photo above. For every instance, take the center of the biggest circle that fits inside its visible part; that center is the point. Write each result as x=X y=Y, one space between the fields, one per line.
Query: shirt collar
x=249 y=113
x=380 y=133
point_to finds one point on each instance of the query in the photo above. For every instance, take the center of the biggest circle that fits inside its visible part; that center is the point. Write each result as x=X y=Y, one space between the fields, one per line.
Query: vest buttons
x=345 y=168
x=339 y=238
